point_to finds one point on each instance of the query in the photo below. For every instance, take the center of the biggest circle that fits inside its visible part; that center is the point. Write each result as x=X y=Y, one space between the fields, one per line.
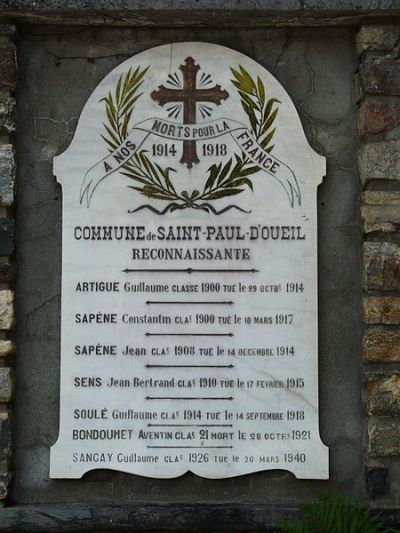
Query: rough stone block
x=5 y=480
x=382 y=346
x=378 y=117
x=380 y=161
x=381 y=310
x=383 y=395
x=377 y=37
x=5 y=435
x=380 y=76
x=7 y=116
x=6 y=309
x=377 y=481
x=6 y=348
x=7 y=234
x=383 y=435
x=8 y=66
x=380 y=211
x=6 y=384
x=7 y=272
x=7 y=174
x=381 y=266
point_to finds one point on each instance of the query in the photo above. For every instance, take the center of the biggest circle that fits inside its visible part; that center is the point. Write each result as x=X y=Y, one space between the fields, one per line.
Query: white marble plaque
x=189 y=277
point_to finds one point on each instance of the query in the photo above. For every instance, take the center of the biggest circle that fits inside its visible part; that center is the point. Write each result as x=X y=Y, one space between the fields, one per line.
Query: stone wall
x=302 y=67
x=378 y=47
x=318 y=73
x=8 y=75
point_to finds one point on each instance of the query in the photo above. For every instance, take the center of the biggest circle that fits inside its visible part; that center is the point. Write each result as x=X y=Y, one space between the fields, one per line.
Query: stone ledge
x=383 y=395
x=121 y=6
x=381 y=310
x=211 y=13
x=383 y=435
x=382 y=346
x=176 y=516
x=381 y=266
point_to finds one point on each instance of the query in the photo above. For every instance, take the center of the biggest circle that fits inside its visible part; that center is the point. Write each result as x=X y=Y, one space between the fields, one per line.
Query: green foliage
x=229 y=179
x=155 y=181
x=333 y=514
x=261 y=112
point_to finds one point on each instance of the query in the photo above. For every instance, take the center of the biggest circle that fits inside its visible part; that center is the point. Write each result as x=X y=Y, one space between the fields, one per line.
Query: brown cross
x=189 y=96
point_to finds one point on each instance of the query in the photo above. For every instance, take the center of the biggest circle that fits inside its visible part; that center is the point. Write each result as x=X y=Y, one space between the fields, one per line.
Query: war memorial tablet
x=189 y=282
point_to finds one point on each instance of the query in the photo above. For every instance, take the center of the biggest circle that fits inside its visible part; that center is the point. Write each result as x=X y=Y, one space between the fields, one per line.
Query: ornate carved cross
x=189 y=96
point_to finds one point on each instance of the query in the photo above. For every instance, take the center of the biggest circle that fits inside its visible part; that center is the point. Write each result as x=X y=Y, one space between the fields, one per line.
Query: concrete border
x=156 y=516
x=210 y=13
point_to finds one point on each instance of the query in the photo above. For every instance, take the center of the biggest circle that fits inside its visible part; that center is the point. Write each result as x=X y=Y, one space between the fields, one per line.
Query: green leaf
x=154 y=192
x=270 y=121
x=265 y=141
x=247 y=99
x=112 y=135
x=111 y=118
x=269 y=105
x=241 y=181
x=237 y=169
x=157 y=196
x=168 y=183
x=153 y=171
x=111 y=107
x=224 y=192
x=124 y=129
x=118 y=91
x=250 y=170
x=139 y=76
x=253 y=122
x=261 y=89
x=129 y=105
x=224 y=171
x=235 y=72
x=110 y=143
x=247 y=79
x=126 y=81
x=214 y=171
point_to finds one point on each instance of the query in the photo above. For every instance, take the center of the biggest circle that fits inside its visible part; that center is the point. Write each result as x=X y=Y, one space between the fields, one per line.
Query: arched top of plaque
x=188 y=126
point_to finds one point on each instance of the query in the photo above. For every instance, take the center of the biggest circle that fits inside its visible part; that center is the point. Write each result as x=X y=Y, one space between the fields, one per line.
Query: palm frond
x=262 y=113
x=155 y=181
